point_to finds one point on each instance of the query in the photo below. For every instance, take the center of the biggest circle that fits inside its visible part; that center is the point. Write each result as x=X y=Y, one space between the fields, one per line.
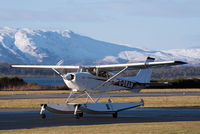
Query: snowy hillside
x=48 y=47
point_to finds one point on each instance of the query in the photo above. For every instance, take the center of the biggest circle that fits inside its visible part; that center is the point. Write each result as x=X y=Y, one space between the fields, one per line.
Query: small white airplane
x=88 y=79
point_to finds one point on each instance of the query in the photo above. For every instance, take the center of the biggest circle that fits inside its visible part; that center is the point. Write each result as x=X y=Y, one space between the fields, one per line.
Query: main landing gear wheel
x=81 y=114
x=115 y=115
x=43 y=116
x=78 y=115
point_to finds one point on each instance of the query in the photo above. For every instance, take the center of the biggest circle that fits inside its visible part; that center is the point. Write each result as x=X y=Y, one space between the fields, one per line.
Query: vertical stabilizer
x=144 y=75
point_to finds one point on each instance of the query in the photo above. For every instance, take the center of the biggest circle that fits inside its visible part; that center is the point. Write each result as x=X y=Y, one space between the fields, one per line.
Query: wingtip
x=12 y=66
x=180 y=62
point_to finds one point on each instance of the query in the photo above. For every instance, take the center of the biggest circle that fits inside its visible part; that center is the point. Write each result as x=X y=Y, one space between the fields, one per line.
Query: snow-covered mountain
x=27 y=46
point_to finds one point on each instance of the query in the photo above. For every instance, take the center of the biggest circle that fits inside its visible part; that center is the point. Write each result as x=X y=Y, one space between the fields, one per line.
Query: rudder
x=144 y=75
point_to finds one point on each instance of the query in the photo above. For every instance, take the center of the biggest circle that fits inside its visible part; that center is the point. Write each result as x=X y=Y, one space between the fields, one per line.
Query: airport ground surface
x=30 y=118
x=24 y=118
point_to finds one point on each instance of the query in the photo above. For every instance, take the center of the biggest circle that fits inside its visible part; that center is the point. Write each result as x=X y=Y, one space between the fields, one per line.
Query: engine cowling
x=69 y=76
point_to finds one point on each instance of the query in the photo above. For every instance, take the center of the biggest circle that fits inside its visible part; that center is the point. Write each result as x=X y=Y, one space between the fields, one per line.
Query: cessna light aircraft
x=87 y=79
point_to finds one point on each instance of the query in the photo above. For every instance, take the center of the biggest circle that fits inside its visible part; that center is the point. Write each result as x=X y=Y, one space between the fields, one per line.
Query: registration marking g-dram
x=127 y=84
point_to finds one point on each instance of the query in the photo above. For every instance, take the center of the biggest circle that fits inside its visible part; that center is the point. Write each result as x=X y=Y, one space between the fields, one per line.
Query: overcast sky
x=152 y=24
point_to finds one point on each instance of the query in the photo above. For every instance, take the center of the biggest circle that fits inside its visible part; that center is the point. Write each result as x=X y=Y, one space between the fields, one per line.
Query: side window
x=102 y=74
x=92 y=71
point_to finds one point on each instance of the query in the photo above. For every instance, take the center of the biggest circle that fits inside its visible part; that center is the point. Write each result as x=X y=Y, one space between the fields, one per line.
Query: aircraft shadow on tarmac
x=32 y=119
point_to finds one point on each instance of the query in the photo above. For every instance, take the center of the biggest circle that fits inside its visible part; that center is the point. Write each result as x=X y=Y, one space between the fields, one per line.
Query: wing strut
x=108 y=81
x=112 y=77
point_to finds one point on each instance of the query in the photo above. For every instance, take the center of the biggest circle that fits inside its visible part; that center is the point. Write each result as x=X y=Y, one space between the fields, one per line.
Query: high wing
x=70 y=68
x=112 y=67
x=130 y=66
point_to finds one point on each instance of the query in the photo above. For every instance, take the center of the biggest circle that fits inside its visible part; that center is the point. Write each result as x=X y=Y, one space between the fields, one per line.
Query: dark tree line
x=168 y=73
x=6 y=82
x=176 y=83
x=10 y=82
x=176 y=72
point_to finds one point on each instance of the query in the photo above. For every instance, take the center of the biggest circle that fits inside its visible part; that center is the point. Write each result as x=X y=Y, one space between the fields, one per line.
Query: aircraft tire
x=43 y=116
x=115 y=115
x=77 y=116
x=81 y=114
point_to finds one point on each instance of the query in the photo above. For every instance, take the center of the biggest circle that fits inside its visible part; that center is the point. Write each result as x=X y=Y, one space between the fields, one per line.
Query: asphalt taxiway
x=156 y=94
x=30 y=118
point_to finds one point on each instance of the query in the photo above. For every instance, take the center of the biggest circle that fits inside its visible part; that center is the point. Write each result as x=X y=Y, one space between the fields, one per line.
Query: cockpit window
x=93 y=71
x=102 y=74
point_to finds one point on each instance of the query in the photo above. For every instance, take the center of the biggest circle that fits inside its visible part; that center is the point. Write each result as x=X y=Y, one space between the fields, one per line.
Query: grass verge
x=171 y=90
x=189 y=127
x=34 y=92
x=122 y=91
x=167 y=101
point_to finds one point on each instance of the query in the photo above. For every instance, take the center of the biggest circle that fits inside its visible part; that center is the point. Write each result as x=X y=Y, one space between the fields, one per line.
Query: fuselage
x=81 y=81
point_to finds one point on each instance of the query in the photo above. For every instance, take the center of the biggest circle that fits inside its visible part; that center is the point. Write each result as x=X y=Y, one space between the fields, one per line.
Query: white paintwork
x=86 y=81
